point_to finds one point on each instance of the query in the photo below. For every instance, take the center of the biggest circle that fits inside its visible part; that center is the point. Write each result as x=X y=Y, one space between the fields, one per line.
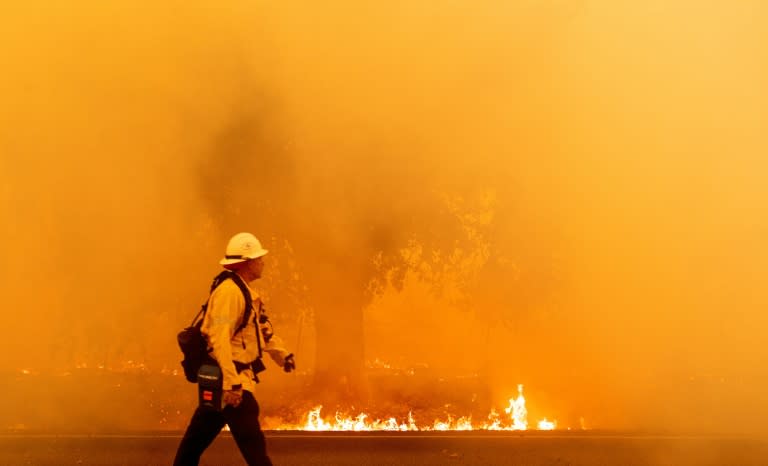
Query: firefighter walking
x=236 y=343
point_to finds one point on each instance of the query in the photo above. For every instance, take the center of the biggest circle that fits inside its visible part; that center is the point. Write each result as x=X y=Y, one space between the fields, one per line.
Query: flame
x=517 y=410
x=516 y=419
x=358 y=423
x=547 y=425
x=494 y=421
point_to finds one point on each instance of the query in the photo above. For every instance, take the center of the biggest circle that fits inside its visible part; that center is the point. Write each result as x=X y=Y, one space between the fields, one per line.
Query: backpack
x=191 y=341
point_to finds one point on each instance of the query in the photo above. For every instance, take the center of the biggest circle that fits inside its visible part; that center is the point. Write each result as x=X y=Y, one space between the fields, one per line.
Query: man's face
x=256 y=266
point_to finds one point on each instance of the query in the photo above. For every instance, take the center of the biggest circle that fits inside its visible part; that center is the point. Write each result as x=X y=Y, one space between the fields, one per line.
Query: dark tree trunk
x=338 y=296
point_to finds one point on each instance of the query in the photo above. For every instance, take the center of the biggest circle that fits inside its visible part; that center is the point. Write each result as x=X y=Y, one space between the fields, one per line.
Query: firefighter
x=237 y=347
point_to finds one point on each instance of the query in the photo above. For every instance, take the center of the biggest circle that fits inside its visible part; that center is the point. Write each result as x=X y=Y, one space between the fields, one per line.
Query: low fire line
x=516 y=420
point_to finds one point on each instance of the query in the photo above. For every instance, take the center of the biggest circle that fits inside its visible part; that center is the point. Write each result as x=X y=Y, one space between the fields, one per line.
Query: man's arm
x=274 y=345
x=279 y=354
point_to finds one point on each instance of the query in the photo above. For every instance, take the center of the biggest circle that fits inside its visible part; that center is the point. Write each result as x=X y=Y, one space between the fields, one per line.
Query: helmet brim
x=255 y=255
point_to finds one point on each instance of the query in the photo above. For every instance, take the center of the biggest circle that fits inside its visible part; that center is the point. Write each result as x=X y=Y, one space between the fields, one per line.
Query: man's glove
x=289 y=364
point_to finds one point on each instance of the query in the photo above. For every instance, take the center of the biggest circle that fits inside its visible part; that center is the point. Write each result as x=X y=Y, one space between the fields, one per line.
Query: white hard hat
x=241 y=247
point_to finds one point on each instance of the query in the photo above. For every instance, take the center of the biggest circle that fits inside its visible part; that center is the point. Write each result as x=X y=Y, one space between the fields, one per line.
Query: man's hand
x=289 y=364
x=232 y=397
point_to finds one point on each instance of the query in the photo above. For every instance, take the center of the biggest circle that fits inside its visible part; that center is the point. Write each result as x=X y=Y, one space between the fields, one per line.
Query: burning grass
x=513 y=417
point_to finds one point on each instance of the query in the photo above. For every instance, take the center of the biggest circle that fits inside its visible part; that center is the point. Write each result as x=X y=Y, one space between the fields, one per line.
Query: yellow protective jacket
x=226 y=310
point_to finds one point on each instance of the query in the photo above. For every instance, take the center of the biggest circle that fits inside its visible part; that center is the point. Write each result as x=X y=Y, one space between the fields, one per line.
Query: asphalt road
x=422 y=449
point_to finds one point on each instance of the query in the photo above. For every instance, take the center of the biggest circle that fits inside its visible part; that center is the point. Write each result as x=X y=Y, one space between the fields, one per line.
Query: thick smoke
x=570 y=195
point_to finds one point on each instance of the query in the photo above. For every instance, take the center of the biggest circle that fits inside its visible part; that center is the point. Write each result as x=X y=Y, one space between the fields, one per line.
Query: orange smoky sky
x=566 y=194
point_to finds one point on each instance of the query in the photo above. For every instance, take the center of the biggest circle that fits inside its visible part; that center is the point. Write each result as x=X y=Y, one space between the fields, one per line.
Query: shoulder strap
x=218 y=280
x=248 y=300
x=198 y=320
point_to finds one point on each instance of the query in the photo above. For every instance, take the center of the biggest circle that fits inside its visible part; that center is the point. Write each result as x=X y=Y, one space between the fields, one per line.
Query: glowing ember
x=516 y=420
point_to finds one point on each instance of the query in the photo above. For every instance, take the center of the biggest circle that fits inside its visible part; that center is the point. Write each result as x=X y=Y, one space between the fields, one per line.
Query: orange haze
x=567 y=194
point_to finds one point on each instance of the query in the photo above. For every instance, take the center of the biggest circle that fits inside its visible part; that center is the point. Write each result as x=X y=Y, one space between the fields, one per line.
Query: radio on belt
x=209 y=386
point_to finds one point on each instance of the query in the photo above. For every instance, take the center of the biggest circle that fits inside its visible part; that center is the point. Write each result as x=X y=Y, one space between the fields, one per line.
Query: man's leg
x=244 y=423
x=203 y=428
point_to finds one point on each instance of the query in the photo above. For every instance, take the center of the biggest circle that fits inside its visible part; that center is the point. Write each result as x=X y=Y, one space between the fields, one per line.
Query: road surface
x=417 y=449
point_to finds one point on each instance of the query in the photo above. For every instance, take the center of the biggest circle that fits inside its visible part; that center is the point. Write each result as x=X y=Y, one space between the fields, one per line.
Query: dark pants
x=206 y=424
